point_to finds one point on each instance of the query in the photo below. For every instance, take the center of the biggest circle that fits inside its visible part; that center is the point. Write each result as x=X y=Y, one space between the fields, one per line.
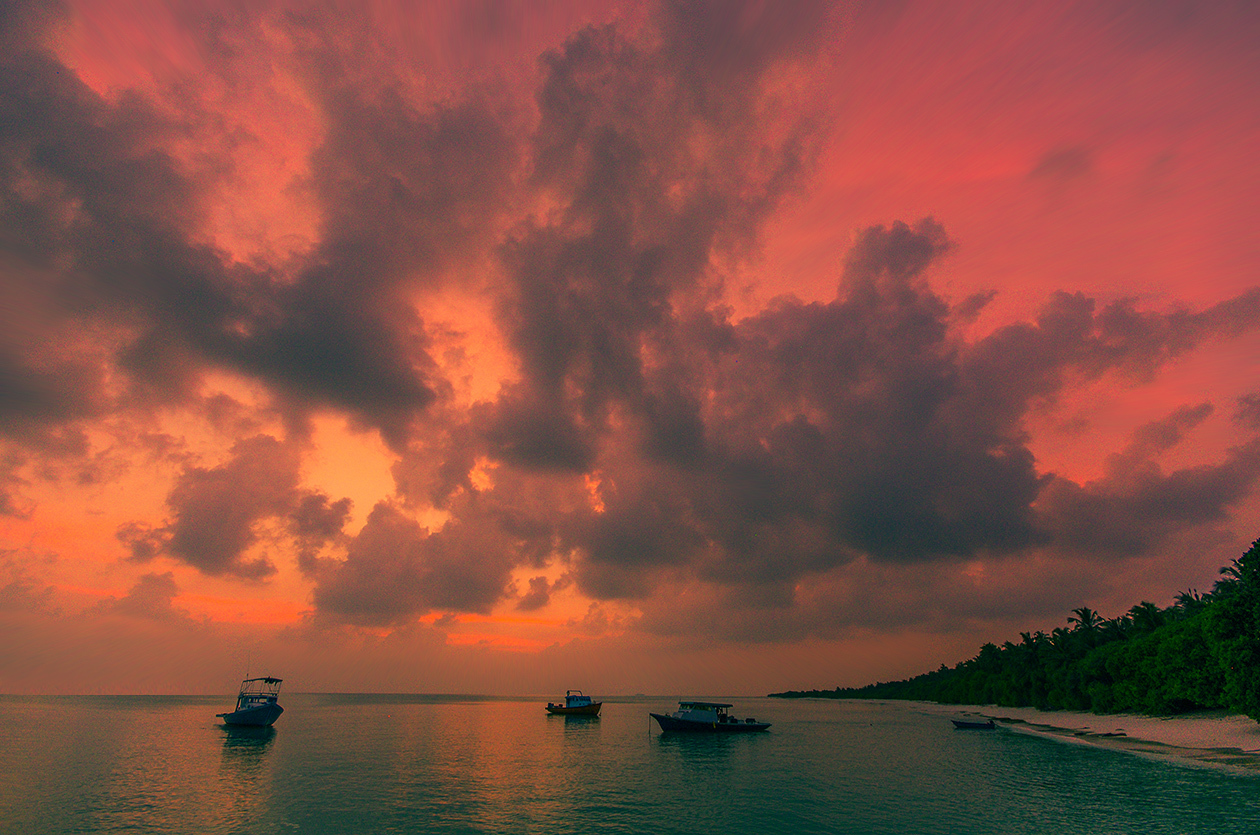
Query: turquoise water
x=367 y=764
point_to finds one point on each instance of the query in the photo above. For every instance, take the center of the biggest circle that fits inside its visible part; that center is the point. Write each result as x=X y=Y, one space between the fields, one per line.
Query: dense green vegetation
x=1201 y=652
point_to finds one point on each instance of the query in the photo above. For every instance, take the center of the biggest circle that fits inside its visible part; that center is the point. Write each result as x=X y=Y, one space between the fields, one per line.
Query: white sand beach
x=1213 y=738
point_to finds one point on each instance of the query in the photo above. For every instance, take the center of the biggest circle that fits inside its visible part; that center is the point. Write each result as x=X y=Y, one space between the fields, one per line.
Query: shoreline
x=1213 y=738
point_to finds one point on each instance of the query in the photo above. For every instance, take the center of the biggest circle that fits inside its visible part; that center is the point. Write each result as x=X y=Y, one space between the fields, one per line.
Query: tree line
x=1202 y=652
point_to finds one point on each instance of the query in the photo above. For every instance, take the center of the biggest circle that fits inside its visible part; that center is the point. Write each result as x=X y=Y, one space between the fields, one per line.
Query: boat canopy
x=702 y=705
x=256 y=690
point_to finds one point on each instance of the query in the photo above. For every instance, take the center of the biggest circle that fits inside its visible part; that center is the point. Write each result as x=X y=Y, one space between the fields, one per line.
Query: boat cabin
x=703 y=712
x=574 y=698
x=256 y=692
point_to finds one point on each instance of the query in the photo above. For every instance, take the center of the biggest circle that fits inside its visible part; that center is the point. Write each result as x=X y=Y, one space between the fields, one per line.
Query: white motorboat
x=256 y=703
x=706 y=717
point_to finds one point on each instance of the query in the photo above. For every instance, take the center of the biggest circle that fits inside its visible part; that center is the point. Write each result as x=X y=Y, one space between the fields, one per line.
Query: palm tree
x=1188 y=603
x=1085 y=618
x=1147 y=617
x=1244 y=571
x=1117 y=628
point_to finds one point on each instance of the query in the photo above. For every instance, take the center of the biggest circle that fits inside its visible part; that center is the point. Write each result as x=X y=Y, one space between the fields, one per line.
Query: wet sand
x=1209 y=738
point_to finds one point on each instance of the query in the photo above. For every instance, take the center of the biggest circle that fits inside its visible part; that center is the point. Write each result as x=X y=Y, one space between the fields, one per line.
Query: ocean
x=458 y=764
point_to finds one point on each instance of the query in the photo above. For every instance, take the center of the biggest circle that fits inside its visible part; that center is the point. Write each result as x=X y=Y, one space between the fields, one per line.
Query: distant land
x=1200 y=653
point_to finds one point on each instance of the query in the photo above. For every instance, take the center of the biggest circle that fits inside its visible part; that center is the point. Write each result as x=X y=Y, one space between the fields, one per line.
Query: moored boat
x=706 y=717
x=575 y=704
x=257 y=703
x=973 y=725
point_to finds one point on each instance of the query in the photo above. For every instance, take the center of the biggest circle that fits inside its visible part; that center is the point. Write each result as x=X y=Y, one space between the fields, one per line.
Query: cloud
x=755 y=453
x=777 y=449
x=1064 y=165
x=868 y=427
x=645 y=439
x=23 y=593
x=839 y=433
x=538 y=596
x=315 y=521
x=218 y=513
x=150 y=598
x=396 y=570
x=1248 y=411
x=1135 y=506
x=718 y=42
x=142 y=540
x=36 y=402
x=653 y=183
x=216 y=509
x=403 y=190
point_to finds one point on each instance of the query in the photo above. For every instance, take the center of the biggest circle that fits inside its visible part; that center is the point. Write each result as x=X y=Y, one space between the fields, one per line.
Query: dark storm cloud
x=1135 y=506
x=539 y=595
x=143 y=541
x=753 y=453
x=647 y=436
x=84 y=181
x=641 y=145
x=395 y=569
x=867 y=426
x=50 y=380
x=216 y=510
x=647 y=526
x=835 y=433
x=33 y=399
x=405 y=192
x=1139 y=343
x=718 y=42
x=1072 y=341
x=43 y=401
x=218 y=513
x=654 y=179
x=314 y=522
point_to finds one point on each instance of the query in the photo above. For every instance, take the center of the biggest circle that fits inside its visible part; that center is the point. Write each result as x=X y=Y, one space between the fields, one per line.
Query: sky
x=696 y=348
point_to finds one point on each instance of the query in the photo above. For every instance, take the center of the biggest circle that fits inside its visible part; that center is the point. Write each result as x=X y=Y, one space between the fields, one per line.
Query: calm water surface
x=351 y=764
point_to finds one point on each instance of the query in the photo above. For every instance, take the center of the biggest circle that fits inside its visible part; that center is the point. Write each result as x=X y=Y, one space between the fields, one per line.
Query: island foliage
x=1200 y=653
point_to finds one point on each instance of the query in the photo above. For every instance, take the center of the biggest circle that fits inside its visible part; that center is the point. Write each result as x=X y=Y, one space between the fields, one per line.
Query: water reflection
x=580 y=724
x=701 y=748
x=245 y=780
x=245 y=749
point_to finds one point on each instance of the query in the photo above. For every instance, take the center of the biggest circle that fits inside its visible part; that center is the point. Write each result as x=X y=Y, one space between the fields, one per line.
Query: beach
x=1208 y=737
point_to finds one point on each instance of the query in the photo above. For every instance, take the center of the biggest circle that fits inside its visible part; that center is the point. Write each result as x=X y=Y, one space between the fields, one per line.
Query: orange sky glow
x=686 y=348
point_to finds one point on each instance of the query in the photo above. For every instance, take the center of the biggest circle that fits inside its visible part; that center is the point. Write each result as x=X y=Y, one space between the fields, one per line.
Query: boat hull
x=971 y=725
x=263 y=716
x=670 y=723
x=584 y=710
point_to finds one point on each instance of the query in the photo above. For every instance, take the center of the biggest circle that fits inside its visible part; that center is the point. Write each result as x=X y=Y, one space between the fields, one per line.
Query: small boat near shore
x=706 y=717
x=973 y=725
x=575 y=704
x=257 y=703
